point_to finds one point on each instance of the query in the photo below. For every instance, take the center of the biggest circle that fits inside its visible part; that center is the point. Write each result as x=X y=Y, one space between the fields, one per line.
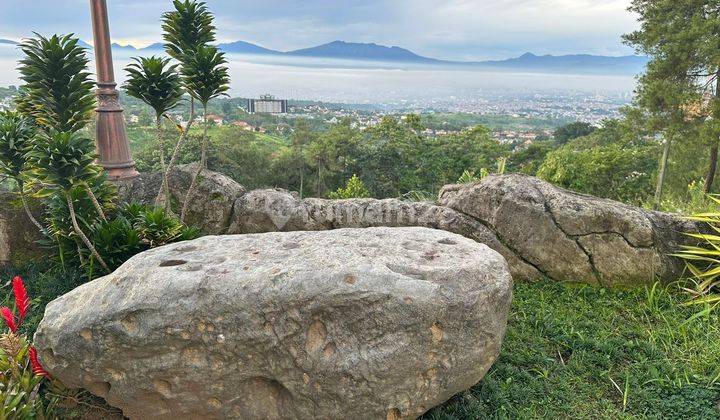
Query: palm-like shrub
x=703 y=260
x=154 y=81
x=157 y=83
x=186 y=28
x=58 y=92
x=205 y=74
x=206 y=77
x=16 y=139
x=61 y=162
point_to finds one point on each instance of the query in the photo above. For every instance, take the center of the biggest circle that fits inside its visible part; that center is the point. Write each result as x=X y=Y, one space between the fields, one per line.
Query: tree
x=610 y=163
x=185 y=30
x=58 y=92
x=572 y=131
x=157 y=83
x=300 y=138
x=63 y=161
x=682 y=39
x=354 y=188
x=16 y=140
x=206 y=78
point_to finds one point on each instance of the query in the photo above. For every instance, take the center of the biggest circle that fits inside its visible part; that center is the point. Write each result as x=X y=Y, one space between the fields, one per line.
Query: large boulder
x=352 y=323
x=574 y=237
x=210 y=208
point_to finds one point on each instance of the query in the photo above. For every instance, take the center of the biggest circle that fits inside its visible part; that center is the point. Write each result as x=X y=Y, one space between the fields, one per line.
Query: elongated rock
x=350 y=323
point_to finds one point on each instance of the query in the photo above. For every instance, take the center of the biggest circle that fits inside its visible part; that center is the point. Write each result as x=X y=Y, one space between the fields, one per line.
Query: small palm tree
x=185 y=30
x=16 y=139
x=157 y=83
x=58 y=91
x=61 y=162
x=206 y=77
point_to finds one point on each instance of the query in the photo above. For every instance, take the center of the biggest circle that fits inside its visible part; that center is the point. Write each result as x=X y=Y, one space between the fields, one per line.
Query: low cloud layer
x=450 y=29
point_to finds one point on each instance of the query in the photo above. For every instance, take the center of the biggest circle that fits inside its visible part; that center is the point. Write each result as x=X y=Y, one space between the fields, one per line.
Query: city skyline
x=451 y=29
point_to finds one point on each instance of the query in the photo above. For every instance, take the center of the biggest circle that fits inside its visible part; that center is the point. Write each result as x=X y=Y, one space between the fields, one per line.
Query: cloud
x=451 y=29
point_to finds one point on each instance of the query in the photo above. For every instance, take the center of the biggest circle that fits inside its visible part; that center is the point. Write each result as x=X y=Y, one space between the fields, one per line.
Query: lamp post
x=112 y=141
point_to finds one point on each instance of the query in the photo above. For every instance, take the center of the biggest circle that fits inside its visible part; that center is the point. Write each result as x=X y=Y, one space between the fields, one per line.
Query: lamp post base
x=114 y=153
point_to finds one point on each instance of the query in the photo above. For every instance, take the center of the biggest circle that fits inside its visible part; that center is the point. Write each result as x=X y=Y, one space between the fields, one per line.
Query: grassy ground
x=580 y=352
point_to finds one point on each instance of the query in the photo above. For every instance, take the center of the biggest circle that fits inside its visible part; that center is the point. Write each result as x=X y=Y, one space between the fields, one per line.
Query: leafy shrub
x=354 y=188
x=612 y=171
x=703 y=260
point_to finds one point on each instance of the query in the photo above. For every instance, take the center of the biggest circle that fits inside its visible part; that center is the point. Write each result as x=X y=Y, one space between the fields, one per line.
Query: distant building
x=267 y=104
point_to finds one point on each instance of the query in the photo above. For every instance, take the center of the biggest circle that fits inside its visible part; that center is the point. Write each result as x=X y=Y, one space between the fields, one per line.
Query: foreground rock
x=367 y=323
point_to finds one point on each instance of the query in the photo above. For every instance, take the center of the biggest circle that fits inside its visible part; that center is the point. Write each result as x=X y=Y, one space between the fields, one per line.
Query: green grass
x=580 y=352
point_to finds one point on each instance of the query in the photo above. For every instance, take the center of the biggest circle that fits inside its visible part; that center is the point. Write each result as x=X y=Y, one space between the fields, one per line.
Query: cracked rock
x=571 y=236
x=352 y=323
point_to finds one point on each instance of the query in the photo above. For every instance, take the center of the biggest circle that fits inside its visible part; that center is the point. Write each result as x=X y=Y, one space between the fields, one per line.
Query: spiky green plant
x=157 y=83
x=61 y=162
x=16 y=139
x=186 y=28
x=703 y=260
x=57 y=91
x=206 y=78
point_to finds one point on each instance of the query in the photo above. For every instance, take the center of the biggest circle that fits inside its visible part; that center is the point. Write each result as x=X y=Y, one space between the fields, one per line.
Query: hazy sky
x=449 y=29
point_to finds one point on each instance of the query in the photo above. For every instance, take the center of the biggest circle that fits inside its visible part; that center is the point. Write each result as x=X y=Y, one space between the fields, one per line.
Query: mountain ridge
x=381 y=53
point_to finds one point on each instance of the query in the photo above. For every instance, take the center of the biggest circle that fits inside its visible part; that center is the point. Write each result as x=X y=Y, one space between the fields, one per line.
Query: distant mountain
x=578 y=63
x=242 y=47
x=357 y=51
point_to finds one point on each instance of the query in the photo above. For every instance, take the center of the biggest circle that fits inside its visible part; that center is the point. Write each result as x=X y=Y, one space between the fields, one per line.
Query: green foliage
x=604 y=164
x=62 y=160
x=204 y=73
x=354 y=188
x=693 y=202
x=58 y=91
x=16 y=139
x=186 y=28
x=567 y=347
x=154 y=81
x=134 y=229
x=19 y=386
x=702 y=260
x=572 y=131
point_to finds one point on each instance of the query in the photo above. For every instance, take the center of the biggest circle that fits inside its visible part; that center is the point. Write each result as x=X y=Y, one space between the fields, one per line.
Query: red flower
x=22 y=302
x=35 y=363
x=9 y=318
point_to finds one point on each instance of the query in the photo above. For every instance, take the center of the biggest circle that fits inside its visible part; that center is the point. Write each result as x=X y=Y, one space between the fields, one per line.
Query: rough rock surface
x=279 y=210
x=210 y=209
x=18 y=236
x=573 y=237
x=353 y=323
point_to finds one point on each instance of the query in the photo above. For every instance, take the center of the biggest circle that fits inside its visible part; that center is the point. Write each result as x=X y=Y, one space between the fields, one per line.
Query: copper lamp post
x=112 y=140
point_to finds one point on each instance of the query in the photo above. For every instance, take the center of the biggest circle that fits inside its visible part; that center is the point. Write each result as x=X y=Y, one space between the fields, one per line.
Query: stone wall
x=540 y=229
